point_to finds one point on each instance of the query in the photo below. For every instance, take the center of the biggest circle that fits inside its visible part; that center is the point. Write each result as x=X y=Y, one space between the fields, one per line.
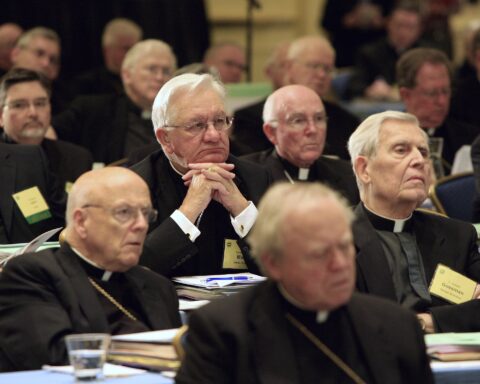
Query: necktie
x=415 y=268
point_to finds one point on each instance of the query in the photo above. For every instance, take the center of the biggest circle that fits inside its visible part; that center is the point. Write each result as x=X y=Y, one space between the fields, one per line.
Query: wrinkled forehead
x=393 y=130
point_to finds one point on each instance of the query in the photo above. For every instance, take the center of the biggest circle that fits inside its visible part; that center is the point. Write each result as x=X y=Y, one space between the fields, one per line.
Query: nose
x=418 y=158
x=140 y=223
x=211 y=133
x=32 y=110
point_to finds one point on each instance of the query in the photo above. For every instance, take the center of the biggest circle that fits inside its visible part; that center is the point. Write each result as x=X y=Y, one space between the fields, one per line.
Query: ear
x=126 y=76
x=79 y=223
x=163 y=137
x=362 y=170
x=270 y=132
x=1 y=117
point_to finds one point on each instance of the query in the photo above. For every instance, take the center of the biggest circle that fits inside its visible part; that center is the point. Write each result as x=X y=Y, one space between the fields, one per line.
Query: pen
x=234 y=278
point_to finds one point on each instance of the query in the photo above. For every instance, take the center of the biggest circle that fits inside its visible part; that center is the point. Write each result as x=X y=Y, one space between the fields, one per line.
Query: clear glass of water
x=87 y=353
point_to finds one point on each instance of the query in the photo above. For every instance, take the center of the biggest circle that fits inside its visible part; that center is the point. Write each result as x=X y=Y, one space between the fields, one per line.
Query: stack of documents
x=453 y=346
x=214 y=286
x=154 y=350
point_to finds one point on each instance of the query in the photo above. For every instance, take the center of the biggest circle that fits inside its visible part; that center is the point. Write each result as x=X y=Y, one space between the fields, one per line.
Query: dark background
x=181 y=23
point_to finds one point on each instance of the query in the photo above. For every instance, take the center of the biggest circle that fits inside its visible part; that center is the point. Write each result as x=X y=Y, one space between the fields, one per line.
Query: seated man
x=23 y=167
x=111 y=126
x=295 y=122
x=228 y=59
x=92 y=283
x=25 y=118
x=374 y=71
x=398 y=248
x=424 y=81
x=205 y=198
x=310 y=62
x=304 y=324
x=119 y=35
x=39 y=49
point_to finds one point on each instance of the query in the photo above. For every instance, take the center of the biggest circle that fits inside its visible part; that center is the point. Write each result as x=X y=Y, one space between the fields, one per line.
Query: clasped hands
x=207 y=181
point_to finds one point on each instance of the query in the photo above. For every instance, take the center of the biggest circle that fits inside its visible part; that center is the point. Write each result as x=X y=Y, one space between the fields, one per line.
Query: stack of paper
x=214 y=286
x=453 y=346
x=154 y=350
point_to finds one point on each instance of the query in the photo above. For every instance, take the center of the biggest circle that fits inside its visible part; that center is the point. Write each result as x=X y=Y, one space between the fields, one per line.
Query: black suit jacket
x=440 y=240
x=245 y=339
x=98 y=123
x=68 y=161
x=336 y=173
x=167 y=248
x=249 y=137
x=23 y=167
x=45 y=296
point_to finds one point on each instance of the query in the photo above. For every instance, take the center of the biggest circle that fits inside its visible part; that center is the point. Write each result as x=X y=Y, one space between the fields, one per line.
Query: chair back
x=454 y=195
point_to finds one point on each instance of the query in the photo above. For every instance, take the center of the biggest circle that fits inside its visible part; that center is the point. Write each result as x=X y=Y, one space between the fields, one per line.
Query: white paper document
x=219 y=281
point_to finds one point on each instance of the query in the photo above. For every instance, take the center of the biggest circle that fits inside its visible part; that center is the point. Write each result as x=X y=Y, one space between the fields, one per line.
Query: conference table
x=467 y=372
x=46 y=377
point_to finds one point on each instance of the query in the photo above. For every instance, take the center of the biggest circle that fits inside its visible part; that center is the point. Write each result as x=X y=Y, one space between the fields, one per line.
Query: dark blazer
x=23 y=167
x=244 y=339
x=68 y=161
x=336 y=173
x=440 y=240
x=98 y=123
x=167 y=248
x=45 y=296
x=249 y=137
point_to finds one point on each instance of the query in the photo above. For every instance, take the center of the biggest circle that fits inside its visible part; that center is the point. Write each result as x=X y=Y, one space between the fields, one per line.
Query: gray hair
x=163 y=111
x=298 y=46
x=364 y=141
x=44 y=32
x=144 y=47
x=267 y=235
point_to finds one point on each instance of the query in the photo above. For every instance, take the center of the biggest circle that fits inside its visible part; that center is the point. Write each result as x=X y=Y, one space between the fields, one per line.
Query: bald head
x=276 y=65
x=311 y=61
x=107 y=217
x=295 y=122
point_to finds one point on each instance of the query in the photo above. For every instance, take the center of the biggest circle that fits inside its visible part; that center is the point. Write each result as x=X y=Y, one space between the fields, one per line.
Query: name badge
x=32 y=205
x=452 y=286
x=232 y=256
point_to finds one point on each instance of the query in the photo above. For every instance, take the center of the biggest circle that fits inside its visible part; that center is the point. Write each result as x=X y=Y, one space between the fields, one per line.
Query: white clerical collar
x=398 y=224
x=302 y=175
x=106 y=274
x=322 y=316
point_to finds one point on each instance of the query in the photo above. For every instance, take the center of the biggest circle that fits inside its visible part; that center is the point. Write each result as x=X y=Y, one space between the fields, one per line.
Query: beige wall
x=276 y=21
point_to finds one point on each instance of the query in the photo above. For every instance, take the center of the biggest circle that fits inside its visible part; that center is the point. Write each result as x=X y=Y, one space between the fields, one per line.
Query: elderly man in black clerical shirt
x=111 y=126
x=399 y=248
x=205 y=198
x=295 y=122
x=92 y=283
x=304 y=324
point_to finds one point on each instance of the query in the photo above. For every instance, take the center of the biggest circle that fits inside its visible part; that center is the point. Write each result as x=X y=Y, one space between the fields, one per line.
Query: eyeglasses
x=221 y=123
x=126 y=213
x=299 y=122
x=155 y=70
x=41 y=53
x=315 y=66
x=435 y=93
x=23 y=105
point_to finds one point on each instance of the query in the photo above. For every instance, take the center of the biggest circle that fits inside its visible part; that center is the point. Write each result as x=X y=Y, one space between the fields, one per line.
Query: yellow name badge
x=452 y=286
x=32 y=205
x=232 y=256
